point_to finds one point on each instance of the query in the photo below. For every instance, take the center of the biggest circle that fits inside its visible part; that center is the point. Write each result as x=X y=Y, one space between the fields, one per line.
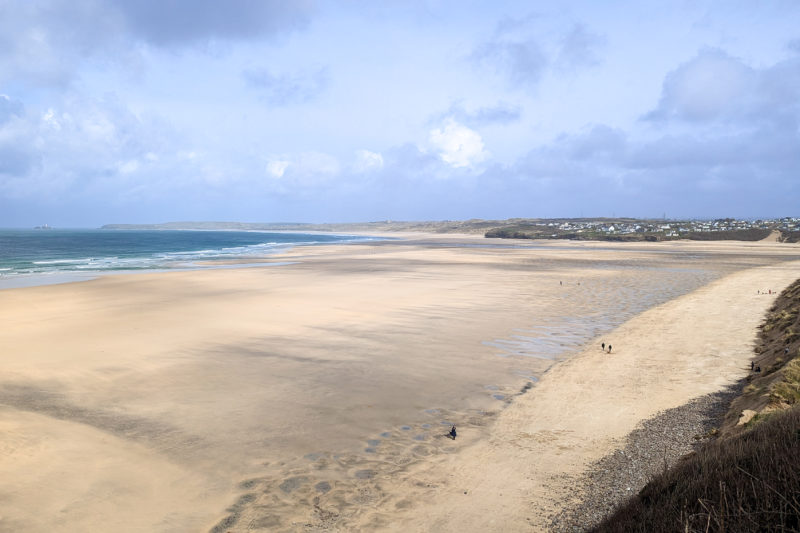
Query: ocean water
x=38 y=257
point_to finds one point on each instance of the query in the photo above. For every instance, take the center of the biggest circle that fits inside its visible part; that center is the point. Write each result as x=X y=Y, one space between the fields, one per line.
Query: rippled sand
x=293 y=396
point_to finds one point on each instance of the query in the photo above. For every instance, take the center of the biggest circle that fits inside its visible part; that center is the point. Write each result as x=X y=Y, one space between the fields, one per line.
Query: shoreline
x=199 y=378
x=18 y=281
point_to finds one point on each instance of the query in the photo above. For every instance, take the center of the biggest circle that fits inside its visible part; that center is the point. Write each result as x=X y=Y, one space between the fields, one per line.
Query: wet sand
x=316 y=395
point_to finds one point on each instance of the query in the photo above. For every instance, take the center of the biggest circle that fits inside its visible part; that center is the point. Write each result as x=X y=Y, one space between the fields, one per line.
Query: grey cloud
x=42 y=42
x=739 y=170
x=600 y=142
x=579 y=48
x=170 y=22
x=523 y=62
x=518 y=52
x=286 y=89
x=501 y=113
x=715 y=87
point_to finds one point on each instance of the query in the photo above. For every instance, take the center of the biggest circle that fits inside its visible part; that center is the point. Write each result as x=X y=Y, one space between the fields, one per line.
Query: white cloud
x=49 y=118
x=128 y=167
x=367 y=161
x=277 y=167
x=457 y=145
x=186 y=155
x=302 y=170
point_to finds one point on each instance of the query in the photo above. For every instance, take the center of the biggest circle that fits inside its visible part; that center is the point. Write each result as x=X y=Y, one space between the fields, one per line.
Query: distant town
x=785 y=229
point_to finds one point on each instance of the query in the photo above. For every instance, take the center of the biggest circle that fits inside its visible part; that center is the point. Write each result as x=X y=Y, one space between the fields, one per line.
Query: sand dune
x=316 y=395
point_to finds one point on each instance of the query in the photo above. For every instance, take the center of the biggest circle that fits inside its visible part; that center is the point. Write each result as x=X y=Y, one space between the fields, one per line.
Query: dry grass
x=788 y=390
x=748 y=483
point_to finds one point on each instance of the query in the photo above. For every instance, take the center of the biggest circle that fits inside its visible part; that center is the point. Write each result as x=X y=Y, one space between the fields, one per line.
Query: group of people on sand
x=603 y=347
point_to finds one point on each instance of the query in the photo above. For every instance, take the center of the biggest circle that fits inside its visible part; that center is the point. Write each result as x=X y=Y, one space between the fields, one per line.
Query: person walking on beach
x=603 y=346
x=452 y=433
x=609 y=348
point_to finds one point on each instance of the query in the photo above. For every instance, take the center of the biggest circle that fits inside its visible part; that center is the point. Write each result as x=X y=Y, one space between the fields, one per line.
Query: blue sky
x=266 y=111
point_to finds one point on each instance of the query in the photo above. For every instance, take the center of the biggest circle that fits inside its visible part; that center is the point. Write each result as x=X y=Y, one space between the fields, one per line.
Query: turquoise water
x=31 y=257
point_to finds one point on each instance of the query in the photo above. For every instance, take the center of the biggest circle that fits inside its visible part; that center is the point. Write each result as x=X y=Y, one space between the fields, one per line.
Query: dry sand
x=315 y=395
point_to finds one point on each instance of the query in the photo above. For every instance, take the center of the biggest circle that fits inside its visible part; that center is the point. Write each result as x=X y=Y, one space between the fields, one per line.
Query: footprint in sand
x=365 y=474
x=292 y=484
x=323 y=487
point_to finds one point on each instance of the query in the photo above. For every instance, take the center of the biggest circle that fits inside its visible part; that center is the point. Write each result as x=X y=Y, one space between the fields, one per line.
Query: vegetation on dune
x=746 y=483
x=731 y=235
x=747 y=479
x=790 y=236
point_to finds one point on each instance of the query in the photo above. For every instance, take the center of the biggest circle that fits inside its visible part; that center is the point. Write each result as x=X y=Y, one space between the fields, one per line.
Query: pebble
x=658 y=442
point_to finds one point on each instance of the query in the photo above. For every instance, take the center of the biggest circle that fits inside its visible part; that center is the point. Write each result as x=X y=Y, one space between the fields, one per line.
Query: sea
x=45 y=256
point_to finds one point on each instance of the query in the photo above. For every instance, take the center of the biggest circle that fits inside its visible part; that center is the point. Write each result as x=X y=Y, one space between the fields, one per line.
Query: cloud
x=76 y=146
x=43 y=43
x=300 y=173
x=367 y=161
x=597 y=142
x=277 y=167
x=579 y=48
x=725 y=136
x=179 y=22
x=501 y=113
x=457 y=145
x=523 y=62
x=713 y=85
x=525 y=49
x=282 y=90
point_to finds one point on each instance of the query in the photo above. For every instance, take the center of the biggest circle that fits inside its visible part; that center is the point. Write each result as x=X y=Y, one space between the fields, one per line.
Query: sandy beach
x=314 y=394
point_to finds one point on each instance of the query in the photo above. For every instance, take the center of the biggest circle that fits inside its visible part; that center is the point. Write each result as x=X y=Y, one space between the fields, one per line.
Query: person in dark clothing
x=453 y=433
x=609 y=348
x=752 y=365
x=603 y=346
